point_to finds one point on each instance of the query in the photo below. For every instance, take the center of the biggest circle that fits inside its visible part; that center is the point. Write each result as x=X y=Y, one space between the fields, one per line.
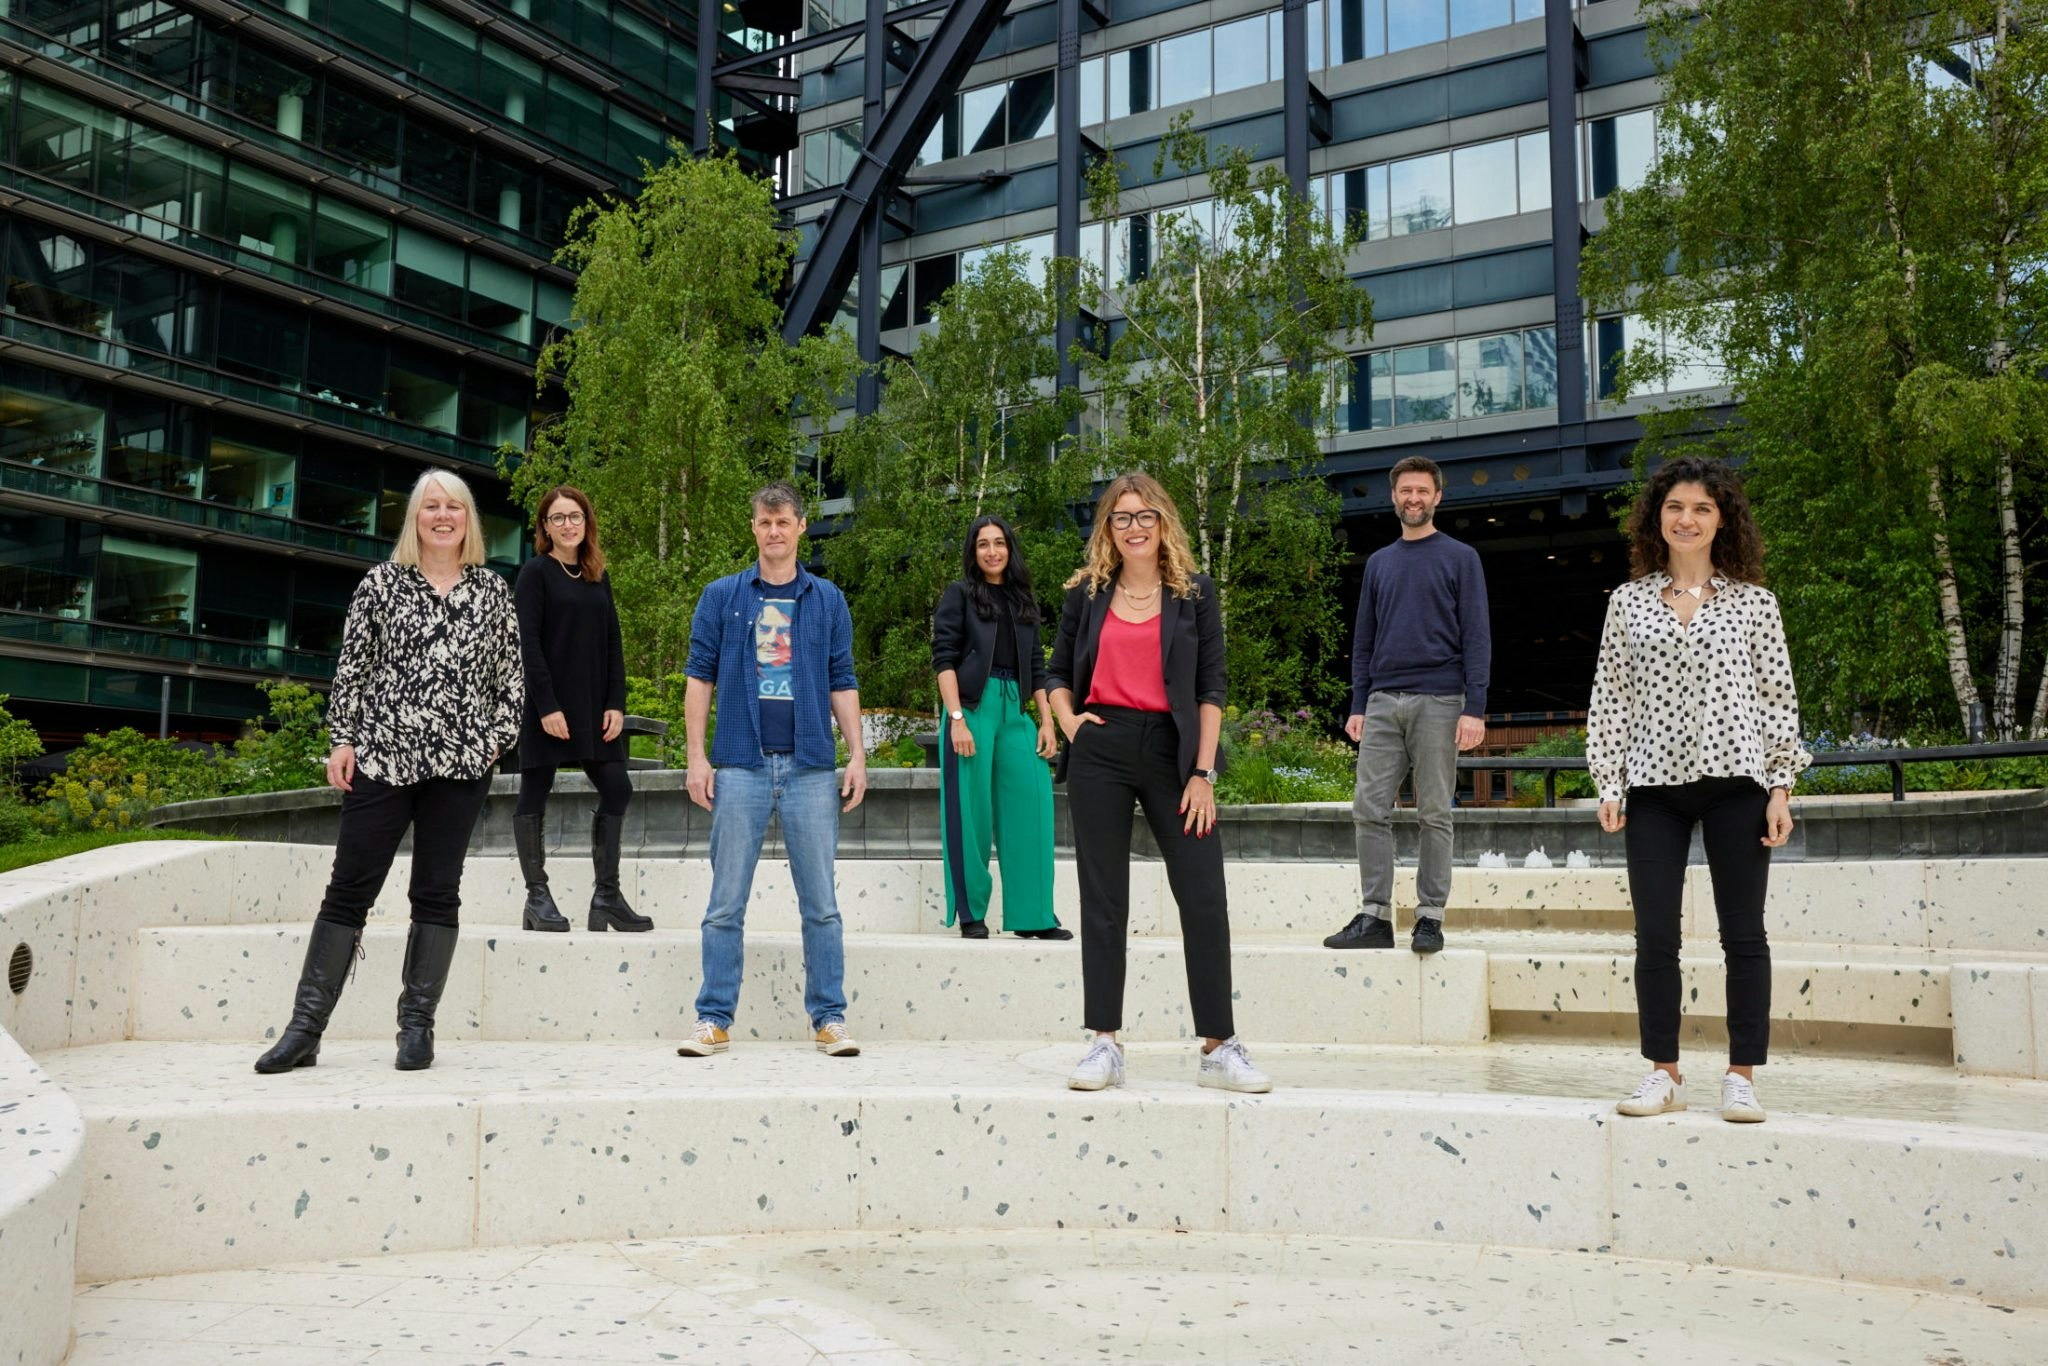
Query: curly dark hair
x=1738 y=546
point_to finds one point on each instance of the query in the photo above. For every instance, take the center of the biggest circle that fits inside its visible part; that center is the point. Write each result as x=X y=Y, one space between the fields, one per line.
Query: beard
x=1421 y=517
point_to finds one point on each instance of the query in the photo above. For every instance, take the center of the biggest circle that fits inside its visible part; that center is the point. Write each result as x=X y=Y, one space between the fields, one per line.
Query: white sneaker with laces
x=1229 y=1067
x=1102 y=1066
x=1655 y=1094
x=1738 y=1100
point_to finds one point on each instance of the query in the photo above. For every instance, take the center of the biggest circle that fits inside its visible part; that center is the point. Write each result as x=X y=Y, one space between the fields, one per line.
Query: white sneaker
x=1656 y=1094
x=1738 y=1100
x=1228 y=1066
x=1103 y=1066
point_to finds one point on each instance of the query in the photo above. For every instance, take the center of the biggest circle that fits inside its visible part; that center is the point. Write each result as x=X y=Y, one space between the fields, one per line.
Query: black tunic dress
x=575 y=664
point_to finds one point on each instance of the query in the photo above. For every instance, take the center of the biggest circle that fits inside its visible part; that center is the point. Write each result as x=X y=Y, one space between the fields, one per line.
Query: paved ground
x=848 y=1299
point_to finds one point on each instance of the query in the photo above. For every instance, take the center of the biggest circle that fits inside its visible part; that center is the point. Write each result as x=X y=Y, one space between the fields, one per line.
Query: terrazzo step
x=1865 y=1170
x=890 y=1299
x=235 y=982
x=1982 y=905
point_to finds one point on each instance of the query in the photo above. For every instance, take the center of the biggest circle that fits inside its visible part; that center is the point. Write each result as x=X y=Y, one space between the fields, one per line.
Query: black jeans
x=614 y=788
x=442 y=813
x=1134 y=757
x=1730 y=815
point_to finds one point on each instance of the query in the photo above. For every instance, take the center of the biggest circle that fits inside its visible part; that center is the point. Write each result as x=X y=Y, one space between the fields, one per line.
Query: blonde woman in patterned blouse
x=1695 y=722
x=427 y=695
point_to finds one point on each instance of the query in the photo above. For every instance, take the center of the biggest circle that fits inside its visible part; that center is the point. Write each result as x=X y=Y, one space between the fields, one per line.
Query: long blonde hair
x=407 y=550
x=1176 y=558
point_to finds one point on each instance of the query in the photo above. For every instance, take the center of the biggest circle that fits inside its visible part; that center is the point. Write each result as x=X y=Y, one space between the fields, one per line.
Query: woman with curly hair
x=1140 y=648
x=1694 y=722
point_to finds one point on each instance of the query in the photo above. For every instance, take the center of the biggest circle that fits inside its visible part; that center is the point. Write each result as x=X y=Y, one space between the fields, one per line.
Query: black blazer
x=1191 y=658
x=963 y=642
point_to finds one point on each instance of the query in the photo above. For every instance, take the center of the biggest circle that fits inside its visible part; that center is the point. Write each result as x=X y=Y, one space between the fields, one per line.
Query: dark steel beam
x=868 y=319
x=788 y=86
x=1066 y=232
x=1295 y=92
x=809 y=41
x=1564 y=65
x=953 y=47
x=707 y=87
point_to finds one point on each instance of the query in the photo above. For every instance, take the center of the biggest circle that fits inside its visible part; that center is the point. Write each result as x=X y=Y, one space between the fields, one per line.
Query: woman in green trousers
x=993 y=780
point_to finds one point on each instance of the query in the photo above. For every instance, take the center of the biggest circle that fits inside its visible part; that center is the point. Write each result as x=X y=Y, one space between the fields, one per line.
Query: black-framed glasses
x=1144 y=520
x=565 y=519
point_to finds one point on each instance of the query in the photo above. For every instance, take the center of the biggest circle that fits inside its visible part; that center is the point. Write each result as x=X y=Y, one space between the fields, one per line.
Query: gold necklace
x=1137 y=599
x=576 y=573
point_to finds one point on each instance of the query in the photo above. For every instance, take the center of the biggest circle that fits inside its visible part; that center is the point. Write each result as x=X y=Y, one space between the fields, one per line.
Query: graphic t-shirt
x=774 y=656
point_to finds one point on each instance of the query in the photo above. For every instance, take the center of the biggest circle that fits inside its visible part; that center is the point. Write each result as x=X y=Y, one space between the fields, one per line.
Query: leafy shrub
x=662 y=700
x=1570 y=782
x=905 y=753
x=17 y=821
x=72 y=803
x=1952 y=775
x=1275 y=757
x=287 y=755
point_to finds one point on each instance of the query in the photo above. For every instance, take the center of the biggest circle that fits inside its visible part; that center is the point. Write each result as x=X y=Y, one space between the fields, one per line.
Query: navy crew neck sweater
x=1422 y=623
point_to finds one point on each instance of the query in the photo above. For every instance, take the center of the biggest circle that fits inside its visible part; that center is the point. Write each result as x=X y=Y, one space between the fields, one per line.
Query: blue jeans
x=807 y=799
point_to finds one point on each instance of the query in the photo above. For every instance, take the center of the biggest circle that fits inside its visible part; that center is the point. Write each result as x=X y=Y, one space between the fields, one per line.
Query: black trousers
x=1730 y=815
x=442 y=814
x=614 y=788
x=1134 y=757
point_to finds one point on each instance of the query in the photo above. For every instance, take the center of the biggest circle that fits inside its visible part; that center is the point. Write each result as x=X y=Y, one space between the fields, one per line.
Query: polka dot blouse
x=1672 y=702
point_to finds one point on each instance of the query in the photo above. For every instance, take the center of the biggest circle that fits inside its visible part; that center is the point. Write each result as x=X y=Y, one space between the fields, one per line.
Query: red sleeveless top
x=1128 y=667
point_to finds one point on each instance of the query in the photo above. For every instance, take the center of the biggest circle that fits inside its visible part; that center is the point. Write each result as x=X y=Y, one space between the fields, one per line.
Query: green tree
x=1848 y=205
x=1218 y=387
x=683 y=397
x=969 y=424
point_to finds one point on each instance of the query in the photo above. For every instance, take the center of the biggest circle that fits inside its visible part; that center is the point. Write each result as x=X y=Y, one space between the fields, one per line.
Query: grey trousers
x=1404 y=731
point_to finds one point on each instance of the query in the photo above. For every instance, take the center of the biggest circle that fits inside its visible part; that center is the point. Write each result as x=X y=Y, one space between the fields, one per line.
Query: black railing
x=1894 y=759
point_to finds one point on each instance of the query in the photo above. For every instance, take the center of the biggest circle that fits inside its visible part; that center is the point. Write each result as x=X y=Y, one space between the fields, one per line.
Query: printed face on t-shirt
x=773 y=650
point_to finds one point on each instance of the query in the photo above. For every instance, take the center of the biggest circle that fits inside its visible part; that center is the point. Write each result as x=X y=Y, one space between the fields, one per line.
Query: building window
x=1471 y=377
x=1621 y=150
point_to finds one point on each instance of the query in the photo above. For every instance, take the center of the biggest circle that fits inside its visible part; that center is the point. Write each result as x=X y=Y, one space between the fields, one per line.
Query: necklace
x=1697 y=592
x=1139 y=599
x=576 y=573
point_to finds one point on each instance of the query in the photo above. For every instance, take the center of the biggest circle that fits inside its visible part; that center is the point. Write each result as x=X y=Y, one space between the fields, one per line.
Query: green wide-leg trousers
x=1000 y=795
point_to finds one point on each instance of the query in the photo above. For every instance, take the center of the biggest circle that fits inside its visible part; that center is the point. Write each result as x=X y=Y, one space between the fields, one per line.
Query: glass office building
x=1471 y=143
x=266 y=261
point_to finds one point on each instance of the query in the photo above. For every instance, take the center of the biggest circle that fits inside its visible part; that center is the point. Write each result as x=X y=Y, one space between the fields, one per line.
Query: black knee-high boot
x=329 y=951
x=608 y=906
x=541 y=912
x=429 y=951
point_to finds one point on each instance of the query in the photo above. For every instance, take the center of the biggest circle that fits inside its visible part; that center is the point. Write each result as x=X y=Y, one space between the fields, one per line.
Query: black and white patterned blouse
x=1675 y=702
x=427 y=687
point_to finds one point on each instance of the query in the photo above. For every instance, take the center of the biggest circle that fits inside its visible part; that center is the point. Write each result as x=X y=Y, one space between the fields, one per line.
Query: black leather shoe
x=1364 y=932
x=973 y=929
x=1056 y=932
x=429 y=951
x=1428 y=936
x=540 y=912
x=329 y=951
x=608 y=906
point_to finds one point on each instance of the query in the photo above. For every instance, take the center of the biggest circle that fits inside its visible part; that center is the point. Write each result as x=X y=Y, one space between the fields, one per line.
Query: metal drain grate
x=19 y=966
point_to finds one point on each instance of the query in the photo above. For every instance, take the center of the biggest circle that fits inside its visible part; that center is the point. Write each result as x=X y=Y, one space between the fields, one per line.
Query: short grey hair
x=780 y=494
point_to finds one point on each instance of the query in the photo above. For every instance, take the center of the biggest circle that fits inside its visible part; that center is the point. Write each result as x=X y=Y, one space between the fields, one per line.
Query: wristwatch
x=957 y=715
x=1209 y=773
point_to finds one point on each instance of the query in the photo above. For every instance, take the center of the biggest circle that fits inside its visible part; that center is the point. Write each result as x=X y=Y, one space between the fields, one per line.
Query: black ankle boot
x=973 y=929
x=608 y=907
x=429 y=950
x=541 y=912
x=329 y=951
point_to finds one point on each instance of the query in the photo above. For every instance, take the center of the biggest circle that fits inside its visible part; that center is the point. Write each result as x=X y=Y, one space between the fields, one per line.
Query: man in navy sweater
x=1419 y=664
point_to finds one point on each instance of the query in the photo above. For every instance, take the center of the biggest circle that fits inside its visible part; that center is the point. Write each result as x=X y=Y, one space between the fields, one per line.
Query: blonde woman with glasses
x=1137 y=686
x=427 y=695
